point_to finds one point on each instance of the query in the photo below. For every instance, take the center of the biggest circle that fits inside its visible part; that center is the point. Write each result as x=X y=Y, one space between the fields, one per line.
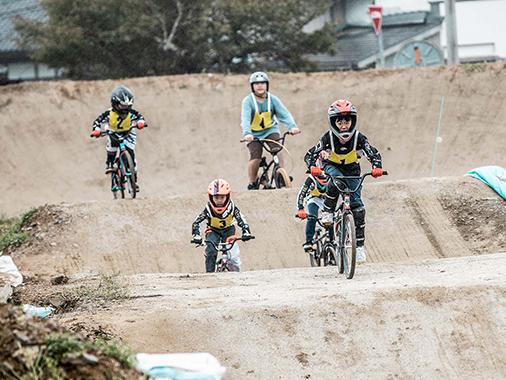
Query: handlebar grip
x=385 y=172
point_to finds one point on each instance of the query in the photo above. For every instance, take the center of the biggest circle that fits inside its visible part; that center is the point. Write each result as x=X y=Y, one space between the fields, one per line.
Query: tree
x=98 y=39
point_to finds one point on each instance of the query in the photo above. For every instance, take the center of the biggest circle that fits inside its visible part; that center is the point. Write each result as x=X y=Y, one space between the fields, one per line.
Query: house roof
x=358 y=43
x=10 y=8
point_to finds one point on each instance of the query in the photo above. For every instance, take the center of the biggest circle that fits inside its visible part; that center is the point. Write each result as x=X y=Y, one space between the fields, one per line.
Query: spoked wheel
x=350 y=246
x=129 y=174
x=282 y=179
x=330 y=254
x=117 y=185
x=316 y=256
x=337 y=235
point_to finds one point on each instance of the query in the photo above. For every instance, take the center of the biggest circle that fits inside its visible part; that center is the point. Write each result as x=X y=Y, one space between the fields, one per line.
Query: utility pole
x=451 y=33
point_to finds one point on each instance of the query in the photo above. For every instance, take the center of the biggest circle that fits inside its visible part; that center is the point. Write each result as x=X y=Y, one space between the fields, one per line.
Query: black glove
x=246 y=236
x=197 y=239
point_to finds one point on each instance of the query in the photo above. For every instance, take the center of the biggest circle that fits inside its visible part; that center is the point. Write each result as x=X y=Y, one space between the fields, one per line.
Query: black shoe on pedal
x=137 y=188
x=109 y=168
x=252 y=186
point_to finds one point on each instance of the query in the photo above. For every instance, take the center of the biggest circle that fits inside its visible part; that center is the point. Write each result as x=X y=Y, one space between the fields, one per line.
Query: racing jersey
x=344 y=156
x=111 y=120
x=220 y=221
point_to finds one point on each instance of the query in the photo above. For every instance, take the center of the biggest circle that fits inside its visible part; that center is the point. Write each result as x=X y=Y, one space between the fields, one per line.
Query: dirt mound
x=430 y=319
x=42 y=348
x=48 y=157
x=406 y=220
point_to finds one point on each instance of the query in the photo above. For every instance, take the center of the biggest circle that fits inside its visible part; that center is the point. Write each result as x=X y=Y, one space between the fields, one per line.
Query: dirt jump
x=429 y=303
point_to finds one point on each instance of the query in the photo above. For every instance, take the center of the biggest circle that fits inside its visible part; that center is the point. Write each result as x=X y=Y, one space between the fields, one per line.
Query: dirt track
x=434 y=319
x=430 y=303
x=47 y=156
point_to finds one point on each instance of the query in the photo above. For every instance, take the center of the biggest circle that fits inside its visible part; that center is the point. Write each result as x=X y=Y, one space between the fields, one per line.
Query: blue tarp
x=494 y=176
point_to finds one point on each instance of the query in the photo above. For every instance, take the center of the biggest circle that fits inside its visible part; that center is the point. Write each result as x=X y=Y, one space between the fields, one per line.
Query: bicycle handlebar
x=260 y=140
x=109 y=131
x=334 y=178
x=222 y=245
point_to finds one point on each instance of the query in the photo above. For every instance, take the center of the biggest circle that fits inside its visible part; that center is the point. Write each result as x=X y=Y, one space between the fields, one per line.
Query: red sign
x=376 y=15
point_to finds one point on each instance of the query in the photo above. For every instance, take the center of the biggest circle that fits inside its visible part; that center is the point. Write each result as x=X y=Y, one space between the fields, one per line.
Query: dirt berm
x=194 y=132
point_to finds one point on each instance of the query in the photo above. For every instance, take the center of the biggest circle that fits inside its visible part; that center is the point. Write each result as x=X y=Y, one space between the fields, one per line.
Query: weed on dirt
x=39 y=349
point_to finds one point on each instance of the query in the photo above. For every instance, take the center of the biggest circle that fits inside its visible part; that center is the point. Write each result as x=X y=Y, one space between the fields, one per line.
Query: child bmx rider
x=346 y=145
x=119 y=119
x=312 y=193
x=220 y=213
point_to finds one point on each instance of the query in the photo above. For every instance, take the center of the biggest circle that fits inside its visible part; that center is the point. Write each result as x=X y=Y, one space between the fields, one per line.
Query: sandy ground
x=434 y=319
x=430 y=302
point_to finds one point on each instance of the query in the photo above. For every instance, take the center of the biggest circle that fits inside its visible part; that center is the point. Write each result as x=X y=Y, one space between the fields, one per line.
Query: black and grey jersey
x=103 y=118
x=330 y=142
x=208 y=214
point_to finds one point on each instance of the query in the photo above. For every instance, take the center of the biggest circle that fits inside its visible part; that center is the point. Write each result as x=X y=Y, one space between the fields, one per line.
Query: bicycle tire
x=282 y=179
x=330 y=254
x=339 y=251
x=129 y=168
x=316 y=257
x=350 y=246
x=117 y=183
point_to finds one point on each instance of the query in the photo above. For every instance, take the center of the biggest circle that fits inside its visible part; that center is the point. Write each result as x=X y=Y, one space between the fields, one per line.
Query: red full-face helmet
x=342 y=109
x=219 y=187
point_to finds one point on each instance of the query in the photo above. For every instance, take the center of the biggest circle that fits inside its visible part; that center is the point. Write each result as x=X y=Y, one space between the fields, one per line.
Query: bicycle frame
x=269 y=182
x=341 y=214
x=120 y=175
x=321 y=239
x=224 y=248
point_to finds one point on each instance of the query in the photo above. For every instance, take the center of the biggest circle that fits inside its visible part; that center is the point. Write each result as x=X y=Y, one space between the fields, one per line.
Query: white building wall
x=357 y=12
x=481 y=25
x=26 y=71
x=481 y=28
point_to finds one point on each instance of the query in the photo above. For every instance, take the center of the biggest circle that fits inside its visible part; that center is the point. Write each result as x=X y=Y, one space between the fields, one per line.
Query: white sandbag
x=181 y=366
x=9 y=272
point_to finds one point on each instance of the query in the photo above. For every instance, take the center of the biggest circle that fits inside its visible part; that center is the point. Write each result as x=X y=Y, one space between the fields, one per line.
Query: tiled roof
x=356 y=43
x=9 y=8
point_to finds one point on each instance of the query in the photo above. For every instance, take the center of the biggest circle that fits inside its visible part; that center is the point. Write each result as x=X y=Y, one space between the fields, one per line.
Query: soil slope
x=48 y=157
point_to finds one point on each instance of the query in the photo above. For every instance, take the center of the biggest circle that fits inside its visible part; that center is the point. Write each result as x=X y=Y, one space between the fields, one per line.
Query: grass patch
x=109 y=288
x=11 y=236
x=60 y=345
x=474 y=67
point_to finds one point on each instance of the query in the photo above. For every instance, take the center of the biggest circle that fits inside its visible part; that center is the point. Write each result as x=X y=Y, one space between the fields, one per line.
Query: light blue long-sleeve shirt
x=277 y=109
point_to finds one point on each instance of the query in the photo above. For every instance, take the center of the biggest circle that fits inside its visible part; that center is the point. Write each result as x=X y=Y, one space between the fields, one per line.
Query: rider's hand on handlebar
x=96 y=133
x=197 y=239
x=377 y=172
x=141 y=124
x=248 y=138
x=246 y=236
x=315 y=170
x=301 y=214
x=294 y=131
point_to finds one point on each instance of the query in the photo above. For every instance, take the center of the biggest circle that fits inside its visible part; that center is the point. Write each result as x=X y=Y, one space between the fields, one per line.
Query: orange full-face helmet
x=219 y=187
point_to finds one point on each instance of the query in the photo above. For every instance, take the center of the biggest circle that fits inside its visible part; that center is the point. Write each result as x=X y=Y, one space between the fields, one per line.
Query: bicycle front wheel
x=339 y=250
x=117 y=185
x=330 y=254
x=282 y=179
x=349 y=246
x=129 y=173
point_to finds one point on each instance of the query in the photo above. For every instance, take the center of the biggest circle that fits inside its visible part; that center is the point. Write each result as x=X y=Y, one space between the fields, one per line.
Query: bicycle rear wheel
x=129 y=174
x=316 y=256
x=282 y=179
x=349 y=246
